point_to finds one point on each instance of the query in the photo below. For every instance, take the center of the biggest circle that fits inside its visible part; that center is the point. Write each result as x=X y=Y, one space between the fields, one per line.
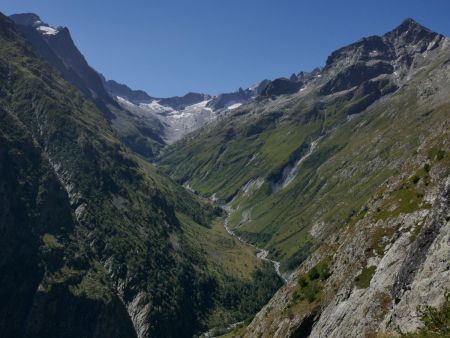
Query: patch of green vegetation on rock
x=362 y=281
x=405 y=199
x=436 y=154
x=309 y=285
x=51 y=242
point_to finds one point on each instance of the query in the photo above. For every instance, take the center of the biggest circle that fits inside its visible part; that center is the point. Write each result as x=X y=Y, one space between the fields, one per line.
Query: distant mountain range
x=159 y=120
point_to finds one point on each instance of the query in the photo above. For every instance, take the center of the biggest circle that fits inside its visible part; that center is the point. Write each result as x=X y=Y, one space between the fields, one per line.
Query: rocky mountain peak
x=410 y=32
x=34 y=21
x=122 y=90
x=410 y=25
x=282 y=86
x=56 y=45
x=181 y=102
x=26 y=19
x=391 y=56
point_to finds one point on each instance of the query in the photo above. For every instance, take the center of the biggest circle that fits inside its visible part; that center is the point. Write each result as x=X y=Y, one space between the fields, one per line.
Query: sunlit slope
x=298 y=166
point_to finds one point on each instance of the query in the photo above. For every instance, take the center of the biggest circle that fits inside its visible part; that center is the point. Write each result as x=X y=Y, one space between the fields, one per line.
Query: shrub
x=440 y=155
x=311 y=283
x=313 y=274
x=362 y=281
x=415 y=179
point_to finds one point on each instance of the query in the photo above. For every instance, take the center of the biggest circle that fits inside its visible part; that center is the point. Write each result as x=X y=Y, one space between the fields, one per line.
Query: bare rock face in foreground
x=409 y=269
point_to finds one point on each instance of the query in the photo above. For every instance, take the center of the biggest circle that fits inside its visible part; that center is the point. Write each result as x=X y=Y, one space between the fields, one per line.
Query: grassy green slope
x=355 y=154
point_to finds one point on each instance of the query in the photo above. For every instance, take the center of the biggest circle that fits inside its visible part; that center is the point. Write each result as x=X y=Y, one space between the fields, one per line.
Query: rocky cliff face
x=282 y=86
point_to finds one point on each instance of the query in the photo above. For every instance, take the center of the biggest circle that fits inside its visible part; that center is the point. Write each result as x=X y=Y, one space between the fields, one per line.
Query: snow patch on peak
x=144 y=109
x=202 y=104
x=47 y=30
x=123 y=100
x=234 y=106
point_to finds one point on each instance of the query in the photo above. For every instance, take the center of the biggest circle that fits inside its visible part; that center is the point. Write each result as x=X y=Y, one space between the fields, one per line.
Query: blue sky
x=170 y=47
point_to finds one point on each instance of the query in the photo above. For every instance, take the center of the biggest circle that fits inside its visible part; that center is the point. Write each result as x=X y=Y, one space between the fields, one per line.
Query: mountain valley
x=311 y=206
